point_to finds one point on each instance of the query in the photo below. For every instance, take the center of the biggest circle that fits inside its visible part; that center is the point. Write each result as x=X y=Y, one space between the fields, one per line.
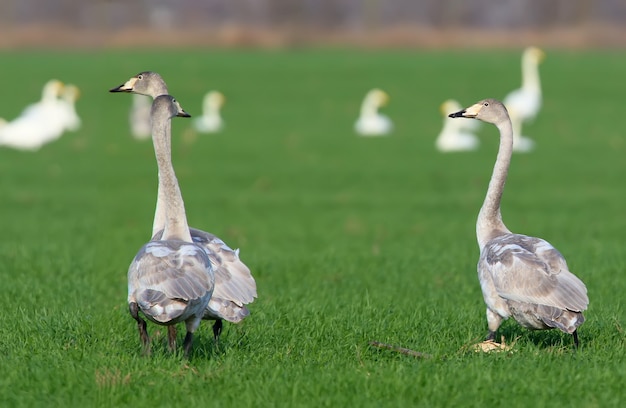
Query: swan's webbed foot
x=133 y=308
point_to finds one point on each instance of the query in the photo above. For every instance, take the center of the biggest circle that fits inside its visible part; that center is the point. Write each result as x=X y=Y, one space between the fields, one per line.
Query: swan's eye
x=139 y=76
x=486 y=104
x=174 y=100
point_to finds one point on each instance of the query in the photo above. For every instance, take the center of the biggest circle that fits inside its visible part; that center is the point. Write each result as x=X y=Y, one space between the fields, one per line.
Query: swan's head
x=144 y=83
x=377 y=97
x=71 y=93
x=52 y=89
x=167 y=103
x=214 y=98
x=449 y=106
x=534 y=54
x=488 y=110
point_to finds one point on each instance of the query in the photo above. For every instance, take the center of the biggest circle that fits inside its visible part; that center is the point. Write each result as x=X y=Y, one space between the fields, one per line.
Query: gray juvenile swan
x=171 y=278
x=520 y=276
x=234 y=285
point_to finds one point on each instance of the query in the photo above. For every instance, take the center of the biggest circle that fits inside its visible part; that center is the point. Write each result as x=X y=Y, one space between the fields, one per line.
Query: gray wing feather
x=170 y=281
x=178 y=274
x=530 y=270
x=234 y=284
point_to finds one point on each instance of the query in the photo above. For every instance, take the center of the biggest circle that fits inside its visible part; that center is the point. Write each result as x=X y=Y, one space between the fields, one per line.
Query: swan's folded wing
x=530 y=270
x=233 y=280
x=234 y=284
x=179 y=271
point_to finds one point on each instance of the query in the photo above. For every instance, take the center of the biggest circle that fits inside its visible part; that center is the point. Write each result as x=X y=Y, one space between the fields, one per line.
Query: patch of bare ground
x=232 y=36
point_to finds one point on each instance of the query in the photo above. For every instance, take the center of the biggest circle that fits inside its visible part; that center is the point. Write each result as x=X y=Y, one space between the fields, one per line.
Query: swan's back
x=375 y=125
x=528 y=278
x=234 y=285
x=171 y=281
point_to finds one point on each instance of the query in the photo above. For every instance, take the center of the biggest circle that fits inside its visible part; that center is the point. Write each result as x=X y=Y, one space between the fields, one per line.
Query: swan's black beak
x=183 y=114
x=127 y=86
x=459 y=114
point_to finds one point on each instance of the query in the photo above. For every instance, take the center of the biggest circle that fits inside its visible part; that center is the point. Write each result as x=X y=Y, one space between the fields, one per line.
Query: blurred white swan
x=211 y=120
x=39 y=123
x=371 y=122
x=456 y=134
x=50 y=94
x=524 y=103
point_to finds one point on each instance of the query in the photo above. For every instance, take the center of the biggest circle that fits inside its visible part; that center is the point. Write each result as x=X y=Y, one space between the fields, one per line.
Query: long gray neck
x=156 y=89
x=159 y=212
x=489 y=223
x=170 y=211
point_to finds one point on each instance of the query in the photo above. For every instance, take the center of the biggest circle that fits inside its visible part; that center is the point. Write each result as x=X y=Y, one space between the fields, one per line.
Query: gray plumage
x=171 y=279
x=235 y=286
x=144 y=83
x=520 y=276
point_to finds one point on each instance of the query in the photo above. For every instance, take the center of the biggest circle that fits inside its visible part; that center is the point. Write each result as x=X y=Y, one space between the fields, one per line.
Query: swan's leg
x=141 y=326
x=191 y=324
x=575 y=334
x=493 y=321
x=171 y=337
x=217 y=331
x=187 y=343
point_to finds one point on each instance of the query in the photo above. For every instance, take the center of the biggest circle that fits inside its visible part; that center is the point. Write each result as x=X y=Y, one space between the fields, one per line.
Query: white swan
x=50 y=94
x=69 y=117
x=139 y=117
x=456 y=134
x=234 y=285
x=211 y=120
x=520 y=276
x=38 y=124
x=524 y=103
x=171 y=278
x=370 y=121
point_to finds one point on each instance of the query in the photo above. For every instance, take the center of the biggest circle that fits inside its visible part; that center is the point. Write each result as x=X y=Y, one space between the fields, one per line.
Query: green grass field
x=350 y=239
